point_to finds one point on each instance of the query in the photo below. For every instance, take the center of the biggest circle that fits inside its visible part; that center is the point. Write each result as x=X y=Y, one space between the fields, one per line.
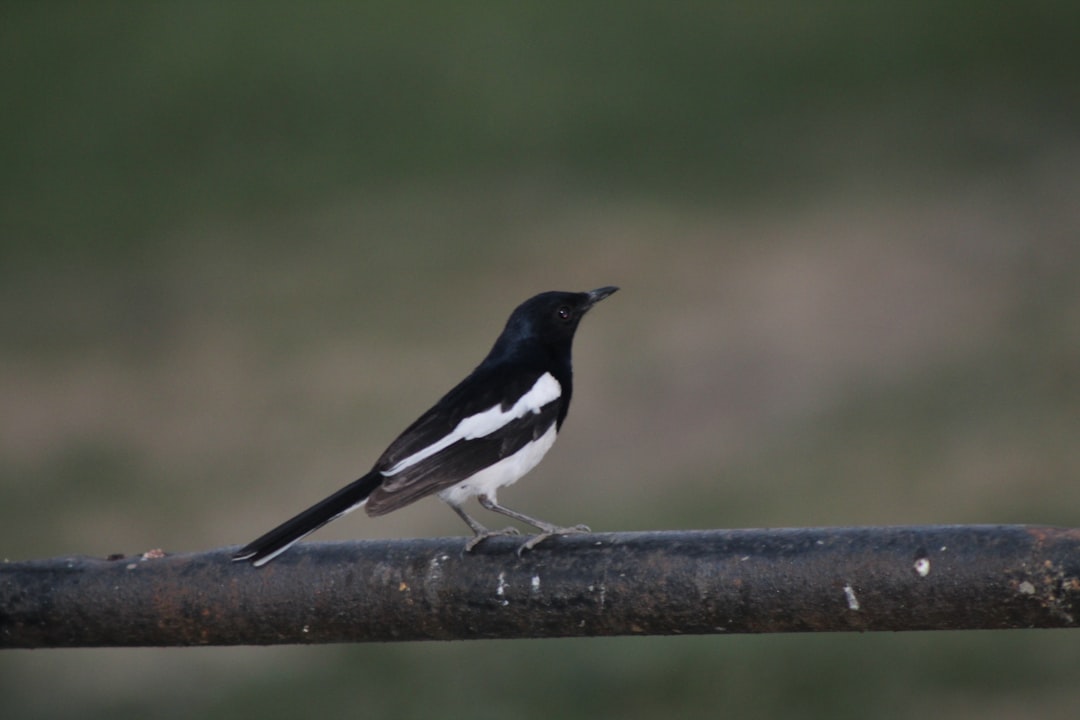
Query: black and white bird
x=485 y=434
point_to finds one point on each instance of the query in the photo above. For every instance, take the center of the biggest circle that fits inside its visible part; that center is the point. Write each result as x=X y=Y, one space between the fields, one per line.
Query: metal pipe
x=648 y=583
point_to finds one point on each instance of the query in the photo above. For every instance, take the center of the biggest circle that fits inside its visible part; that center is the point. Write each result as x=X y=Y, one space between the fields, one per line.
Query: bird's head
x=549 y=319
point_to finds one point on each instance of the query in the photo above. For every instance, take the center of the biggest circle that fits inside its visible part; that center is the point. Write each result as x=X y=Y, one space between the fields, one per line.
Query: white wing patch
x=545 y=390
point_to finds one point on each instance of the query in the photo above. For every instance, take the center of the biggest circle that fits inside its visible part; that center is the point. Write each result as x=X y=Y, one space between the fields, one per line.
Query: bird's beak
x=599 y=294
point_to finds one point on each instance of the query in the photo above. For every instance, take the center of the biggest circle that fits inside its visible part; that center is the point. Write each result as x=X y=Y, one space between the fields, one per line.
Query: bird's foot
x=483 y=535
x=551 y=532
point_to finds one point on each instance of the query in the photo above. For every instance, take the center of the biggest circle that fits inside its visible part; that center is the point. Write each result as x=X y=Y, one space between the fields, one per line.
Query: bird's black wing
x=485 y=388
x=460 y=460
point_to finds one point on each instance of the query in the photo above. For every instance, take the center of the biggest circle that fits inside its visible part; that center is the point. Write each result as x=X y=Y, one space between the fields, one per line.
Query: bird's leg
x=546 y=529
x=482 y=533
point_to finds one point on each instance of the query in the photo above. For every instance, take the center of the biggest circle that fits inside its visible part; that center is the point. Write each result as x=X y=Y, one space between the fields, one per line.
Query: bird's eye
x=563 y=312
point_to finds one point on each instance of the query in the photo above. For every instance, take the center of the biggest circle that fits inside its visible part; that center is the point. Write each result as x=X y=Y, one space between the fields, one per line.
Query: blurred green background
x=242 y=245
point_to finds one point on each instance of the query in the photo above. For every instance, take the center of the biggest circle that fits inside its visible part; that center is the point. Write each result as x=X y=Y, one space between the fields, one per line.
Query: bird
x=484 y=434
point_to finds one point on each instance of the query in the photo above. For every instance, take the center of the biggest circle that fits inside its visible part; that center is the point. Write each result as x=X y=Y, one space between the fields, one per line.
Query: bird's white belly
x=505 y=472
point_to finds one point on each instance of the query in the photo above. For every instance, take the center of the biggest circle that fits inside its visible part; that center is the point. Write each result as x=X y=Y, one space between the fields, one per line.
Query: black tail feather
x=266 y=547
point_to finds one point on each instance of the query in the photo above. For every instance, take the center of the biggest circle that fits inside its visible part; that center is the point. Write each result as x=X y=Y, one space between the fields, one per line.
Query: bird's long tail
x=267 y=547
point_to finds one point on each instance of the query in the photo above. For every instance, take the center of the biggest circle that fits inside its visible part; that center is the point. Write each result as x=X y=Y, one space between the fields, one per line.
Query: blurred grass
x=126 y=120
x=241 y=246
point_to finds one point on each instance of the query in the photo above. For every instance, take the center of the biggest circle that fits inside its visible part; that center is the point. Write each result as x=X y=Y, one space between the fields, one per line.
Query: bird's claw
x=482 y=536
x=551 y=532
